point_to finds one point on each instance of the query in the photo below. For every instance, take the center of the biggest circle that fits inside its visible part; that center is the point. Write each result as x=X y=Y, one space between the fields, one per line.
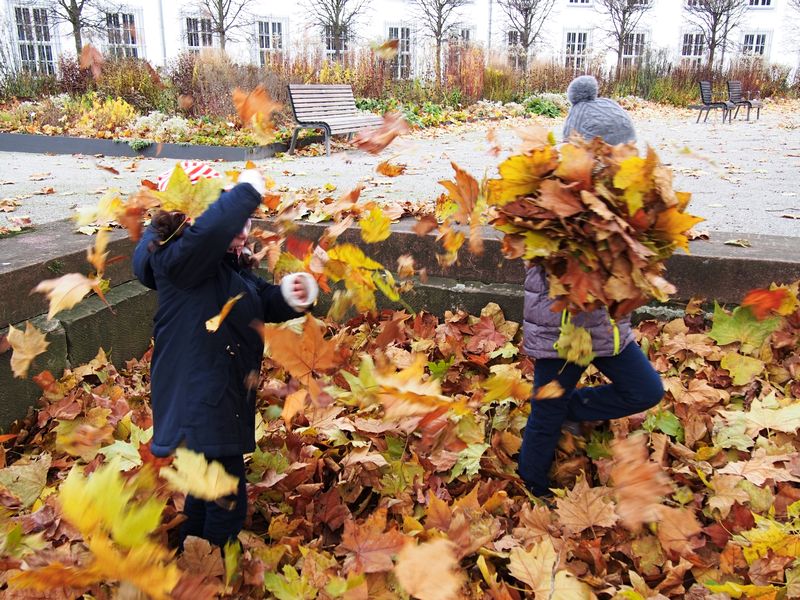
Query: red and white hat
x=195 y=169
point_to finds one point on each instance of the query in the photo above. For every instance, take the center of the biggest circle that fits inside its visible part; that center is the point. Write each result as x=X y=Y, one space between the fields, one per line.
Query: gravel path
x=744 y=177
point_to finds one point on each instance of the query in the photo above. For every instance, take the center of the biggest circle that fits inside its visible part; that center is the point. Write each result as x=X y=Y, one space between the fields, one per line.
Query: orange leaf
x=586 y=507
x=292 y=405
x=214 y=322
x=390 y=170
x=368 y=548
x=387 y=50
x=376 y=139
x=425 y=224
x=430 y=570
x=576 y=166
x=92 y=59
x=639 y=484
x=549 y=391
x=301 y=355
x=762 y=302
x=255 y=110
x=464 y=192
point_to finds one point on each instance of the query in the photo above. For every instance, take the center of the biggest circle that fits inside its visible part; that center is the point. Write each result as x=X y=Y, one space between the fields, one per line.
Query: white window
x=581 y=2
x=577 y=43
x=516 y=55
x=34 y=40
x=755 y=43
x=199 y=33
x=693 y=48
x=335 y=45
x=759 y=3
x=122 y=35
x=401 y=63
x=633 y=47
x=270 y=40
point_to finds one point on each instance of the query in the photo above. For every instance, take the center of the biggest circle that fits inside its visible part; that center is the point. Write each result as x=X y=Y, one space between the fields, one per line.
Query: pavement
x=744 y=176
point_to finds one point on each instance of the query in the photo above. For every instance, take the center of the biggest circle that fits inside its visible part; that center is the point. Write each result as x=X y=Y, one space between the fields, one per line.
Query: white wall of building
x=162 y=29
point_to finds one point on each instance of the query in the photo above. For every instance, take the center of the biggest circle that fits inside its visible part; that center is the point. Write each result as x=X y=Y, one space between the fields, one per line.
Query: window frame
x=767 y=42
x=760 y=5
x=42 y=59
x=576 y=60
x=580 y=3
x=693 y=59
x=401 y=65
x=201 y=34
x=630 y=60
x=262 y=53
x=121 y=48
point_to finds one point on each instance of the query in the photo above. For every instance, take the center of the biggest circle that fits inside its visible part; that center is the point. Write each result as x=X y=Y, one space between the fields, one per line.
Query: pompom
x=582 y=89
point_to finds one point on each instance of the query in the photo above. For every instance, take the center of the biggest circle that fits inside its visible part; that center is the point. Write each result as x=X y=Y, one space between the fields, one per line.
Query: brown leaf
x=464 y=192
x=429 y=570
x=639 y=484
x=586 y=508
x=65 y=291
x=27 y=345
x=425 y=224
x=376 y=139
x=255 y=109
x=675 y=528
x=108 y=168
x=549 y=391
x=559 y=199
x=369 y=547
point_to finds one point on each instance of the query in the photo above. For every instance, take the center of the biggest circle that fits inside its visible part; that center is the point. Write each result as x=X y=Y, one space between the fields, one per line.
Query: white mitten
x=254 y=178
x=309 y=284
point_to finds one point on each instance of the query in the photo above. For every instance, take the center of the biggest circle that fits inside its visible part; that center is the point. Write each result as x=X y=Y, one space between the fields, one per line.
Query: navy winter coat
x=199 y=393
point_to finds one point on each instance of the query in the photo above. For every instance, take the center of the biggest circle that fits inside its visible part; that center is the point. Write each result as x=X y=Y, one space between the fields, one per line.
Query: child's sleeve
x=195 y=255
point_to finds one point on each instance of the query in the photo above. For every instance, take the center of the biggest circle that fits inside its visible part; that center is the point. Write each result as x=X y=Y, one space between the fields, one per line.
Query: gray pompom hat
x=593 y=117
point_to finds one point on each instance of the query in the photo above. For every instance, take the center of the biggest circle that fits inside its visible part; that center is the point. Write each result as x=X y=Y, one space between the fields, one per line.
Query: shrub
x=106 y=114
x=539 y=106
x=136 y=82
x=21 y=85
x=72 y=79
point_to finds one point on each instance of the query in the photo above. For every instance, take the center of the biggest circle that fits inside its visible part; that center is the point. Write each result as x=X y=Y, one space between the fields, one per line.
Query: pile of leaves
x=600 y=219
x=386 y=468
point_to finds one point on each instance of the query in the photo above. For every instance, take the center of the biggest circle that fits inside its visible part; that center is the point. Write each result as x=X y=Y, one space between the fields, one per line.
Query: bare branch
x=527 y=18
x=716 y=19
x=226 y=16
x=339 y=18
x=624 y=17
x=438 y=17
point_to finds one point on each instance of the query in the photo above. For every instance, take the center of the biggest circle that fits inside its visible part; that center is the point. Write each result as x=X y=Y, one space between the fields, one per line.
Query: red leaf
x=762 y=302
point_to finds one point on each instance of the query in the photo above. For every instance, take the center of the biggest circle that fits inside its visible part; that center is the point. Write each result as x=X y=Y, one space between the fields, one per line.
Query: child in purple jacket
x=635 y=385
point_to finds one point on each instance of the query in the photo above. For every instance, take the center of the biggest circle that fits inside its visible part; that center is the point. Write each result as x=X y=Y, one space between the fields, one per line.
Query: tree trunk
x=77 y=34
x=439 y=61
x=221 y=25
x=620 y=48
x=712 y=46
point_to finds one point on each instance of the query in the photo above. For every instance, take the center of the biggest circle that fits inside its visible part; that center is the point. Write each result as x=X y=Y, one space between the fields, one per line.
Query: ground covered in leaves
x=385 y=468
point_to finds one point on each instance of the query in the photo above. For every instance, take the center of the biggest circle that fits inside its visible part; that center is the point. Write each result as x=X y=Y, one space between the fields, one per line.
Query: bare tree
x=84 y=16
x=624 y=16
x=526 y=18
x=438 y=16
x=338 y=20
x=795 y=4
x=226 y=16
x=716 y=19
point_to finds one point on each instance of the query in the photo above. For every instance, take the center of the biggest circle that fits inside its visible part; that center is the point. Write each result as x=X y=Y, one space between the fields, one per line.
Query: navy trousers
x=218 y=521
x=635 y=387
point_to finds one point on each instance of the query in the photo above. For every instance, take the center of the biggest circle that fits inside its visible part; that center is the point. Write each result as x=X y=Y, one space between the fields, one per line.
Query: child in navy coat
x=202 y=393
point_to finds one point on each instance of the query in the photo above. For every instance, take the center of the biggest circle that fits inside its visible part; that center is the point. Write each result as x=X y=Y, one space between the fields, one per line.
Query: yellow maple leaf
x=537 y=568
x=66 y=291
x=673 y=225
x=521 y=175
x=181 y=196
x=634 y=178
x=769 y=536
x=575 y=345
x=191 y=473
x=739 y=590
x=97 y=254
x=504 y=382
x=26 y=346
x=214 y=322
x=376 y=226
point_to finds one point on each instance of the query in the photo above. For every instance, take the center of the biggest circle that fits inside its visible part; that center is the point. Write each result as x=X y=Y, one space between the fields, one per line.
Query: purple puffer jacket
x=541 y=325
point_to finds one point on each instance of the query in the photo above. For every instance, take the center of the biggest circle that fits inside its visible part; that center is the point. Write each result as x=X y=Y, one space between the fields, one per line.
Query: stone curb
x=54 y=144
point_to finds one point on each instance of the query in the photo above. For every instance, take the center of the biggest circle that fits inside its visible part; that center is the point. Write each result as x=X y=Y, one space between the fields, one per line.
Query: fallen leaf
x=212 y=325
x=368 y=547
x=65 y=291
x=741 y=243
x=429 y=570
x=374 y=140
x=191 y=473
x=390 y=170
x=27 y=346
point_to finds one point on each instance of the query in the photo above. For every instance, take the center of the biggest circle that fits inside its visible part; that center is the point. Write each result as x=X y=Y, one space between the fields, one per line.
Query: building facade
x=575 y=33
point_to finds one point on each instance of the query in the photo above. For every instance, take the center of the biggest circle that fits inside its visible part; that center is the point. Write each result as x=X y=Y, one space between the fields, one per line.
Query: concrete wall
x=713 y=271
x=160 y=27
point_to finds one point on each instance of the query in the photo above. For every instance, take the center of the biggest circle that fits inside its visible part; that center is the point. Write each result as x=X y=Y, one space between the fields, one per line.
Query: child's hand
x=254 y=178
x=299 y=290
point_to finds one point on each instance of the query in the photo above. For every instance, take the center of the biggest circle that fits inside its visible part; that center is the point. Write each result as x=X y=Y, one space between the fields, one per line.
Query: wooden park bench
x=331 y=108
x=707 y=103
x=736 y=98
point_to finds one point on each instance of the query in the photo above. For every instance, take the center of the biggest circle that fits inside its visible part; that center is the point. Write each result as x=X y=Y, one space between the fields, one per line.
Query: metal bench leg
x=708 y=112
x=327 y=143
x=699 y=114
x=748 y=112
x=293 y=143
